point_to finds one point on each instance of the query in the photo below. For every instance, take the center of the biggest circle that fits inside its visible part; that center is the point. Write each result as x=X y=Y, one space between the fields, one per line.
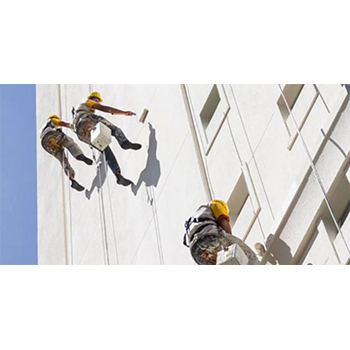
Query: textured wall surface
x=233 y=142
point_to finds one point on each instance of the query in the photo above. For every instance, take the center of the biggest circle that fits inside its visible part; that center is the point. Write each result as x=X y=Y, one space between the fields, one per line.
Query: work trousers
x=205 y=246
x=54 y=142
x=84 y=127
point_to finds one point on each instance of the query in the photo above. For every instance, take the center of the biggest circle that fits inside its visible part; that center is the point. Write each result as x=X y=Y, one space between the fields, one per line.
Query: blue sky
x=18 y=208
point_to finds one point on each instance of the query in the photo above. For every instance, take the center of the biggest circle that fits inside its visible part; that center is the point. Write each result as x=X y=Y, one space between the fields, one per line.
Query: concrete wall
x=233 y=142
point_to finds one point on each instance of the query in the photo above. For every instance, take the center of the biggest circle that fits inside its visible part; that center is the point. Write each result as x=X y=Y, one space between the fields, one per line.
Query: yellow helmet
x=96 y=94
x=219 y=208
x=54 y=116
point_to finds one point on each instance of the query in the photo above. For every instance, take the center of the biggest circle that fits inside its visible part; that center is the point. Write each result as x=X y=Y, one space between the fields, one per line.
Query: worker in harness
x=208 y=232
x=54 y=141
x=85 y=121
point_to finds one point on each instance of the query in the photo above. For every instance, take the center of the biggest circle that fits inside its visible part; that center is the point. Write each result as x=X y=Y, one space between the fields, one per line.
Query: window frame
x=211 y=132
x=246 y=180
x=308 y=91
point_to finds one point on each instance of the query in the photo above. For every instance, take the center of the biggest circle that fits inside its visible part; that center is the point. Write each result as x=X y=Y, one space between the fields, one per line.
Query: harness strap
x=188 y=224
x=82 y=111
x=78 y=115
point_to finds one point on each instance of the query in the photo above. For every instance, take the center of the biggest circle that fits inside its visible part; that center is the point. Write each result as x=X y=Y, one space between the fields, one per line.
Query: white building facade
x=277 y=154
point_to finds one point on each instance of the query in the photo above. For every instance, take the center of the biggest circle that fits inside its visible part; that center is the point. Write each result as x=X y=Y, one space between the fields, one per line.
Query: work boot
x=84 y=159
x=129 y=145
x=121 y=180
x=76 y=186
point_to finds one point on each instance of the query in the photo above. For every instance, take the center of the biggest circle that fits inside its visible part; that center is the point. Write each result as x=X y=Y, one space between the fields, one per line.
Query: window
x=344 y=216
x=210 y=107
x=326 y=239
x=299 y=99
x=340 y=202
x=244 y=205
x=214 y=108
x=291 y=93
x=237 y=200
x=320 y=250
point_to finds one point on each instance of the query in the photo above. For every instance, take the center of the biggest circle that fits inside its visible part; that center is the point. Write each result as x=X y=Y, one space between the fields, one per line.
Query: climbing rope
x=70 y=199
x=156 y=226
x=101 y=208
x=318 y=178
x=252 y=153
x=250 y=199
x=154 y=209
x=68 y=257
x=112 y=214
x=160 y=193
x=71 y=224
x=101 y=204
x=211 y=189
x=110 y=193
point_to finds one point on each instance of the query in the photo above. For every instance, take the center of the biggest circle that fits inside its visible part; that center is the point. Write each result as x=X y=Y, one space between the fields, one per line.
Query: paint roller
x=143 y=115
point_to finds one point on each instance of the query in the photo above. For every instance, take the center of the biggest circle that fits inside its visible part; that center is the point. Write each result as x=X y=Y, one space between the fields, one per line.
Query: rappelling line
x=112 y=215
x=138 y=135
x=241 y=162
x=101 y=203
x=153 y=204
x=313 y=166
x=252 y=152
x=63 y=189
x=204 y=157
x=160 y=193
x=70 y=199
x=156 y=225
x=103 y=209
x=155 y=210
x=102 y=223
x=143 y=126
x=234 y=142
x=99 y=207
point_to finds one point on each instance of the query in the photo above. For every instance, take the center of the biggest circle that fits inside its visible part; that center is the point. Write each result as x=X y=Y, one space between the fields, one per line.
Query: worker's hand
x=129 y=113
x=71 y=126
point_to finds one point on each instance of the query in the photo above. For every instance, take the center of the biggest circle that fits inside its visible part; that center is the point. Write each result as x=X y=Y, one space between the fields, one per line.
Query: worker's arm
x=221 y=213
x=111 y=110
x=66 y=125
x=59 y=122
x=224 y=222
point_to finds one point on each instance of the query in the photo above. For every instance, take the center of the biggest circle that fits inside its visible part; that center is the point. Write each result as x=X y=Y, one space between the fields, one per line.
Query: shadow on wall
x=334 y=143
x=151 y=174
x=347 y=87
x=279 y=253
x=100 y=177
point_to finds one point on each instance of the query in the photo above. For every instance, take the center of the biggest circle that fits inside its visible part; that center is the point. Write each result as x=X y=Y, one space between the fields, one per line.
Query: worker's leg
x=114 y=166
x=75 y=150
x=68 y=170
x=71 y=146
x=118 y=134
x=83 y=129
x=111 y=160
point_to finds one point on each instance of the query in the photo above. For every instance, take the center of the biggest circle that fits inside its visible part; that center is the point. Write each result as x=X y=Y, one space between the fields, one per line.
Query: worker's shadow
x=151 y=174
x=100 y=177
x=279 y=252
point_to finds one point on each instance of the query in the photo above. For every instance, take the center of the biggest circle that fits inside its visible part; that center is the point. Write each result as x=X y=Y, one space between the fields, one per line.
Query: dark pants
x=111 y=160
x=84 y=127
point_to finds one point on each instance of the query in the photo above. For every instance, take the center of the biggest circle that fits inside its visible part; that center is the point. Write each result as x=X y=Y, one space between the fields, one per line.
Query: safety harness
x=188 y=236
x=51 y=137
x=205 y=238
